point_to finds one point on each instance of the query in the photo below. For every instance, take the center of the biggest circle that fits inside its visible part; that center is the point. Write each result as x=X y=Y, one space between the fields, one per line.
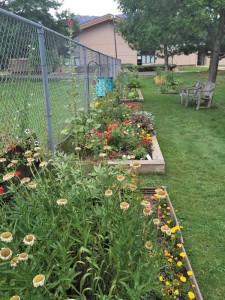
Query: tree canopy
x=181 y=26
x=44 y=11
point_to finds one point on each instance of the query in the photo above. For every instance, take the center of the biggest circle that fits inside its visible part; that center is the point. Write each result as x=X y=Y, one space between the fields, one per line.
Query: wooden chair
x=186 y=91
x=206 y=95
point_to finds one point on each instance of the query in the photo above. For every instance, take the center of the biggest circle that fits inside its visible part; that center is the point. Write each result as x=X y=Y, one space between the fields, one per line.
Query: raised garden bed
x=148 y=193
x=139 y=98
x=155 y=165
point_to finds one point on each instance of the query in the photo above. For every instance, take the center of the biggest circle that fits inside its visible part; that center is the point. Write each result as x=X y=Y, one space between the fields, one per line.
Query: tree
x=150 y=26
x=208 y=18
x=41 y=11
x=183 y=26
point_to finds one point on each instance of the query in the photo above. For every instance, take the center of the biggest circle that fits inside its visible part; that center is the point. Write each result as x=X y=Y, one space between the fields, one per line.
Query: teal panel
x=100 y=86
x=109 y=83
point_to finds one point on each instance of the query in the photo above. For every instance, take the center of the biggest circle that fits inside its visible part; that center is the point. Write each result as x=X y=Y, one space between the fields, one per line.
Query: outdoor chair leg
x=187 y=101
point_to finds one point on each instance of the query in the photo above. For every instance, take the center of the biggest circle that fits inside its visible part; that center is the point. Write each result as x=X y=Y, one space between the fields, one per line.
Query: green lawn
x=193 y=146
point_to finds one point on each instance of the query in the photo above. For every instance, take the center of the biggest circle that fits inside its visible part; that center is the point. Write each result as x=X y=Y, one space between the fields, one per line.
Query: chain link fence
x=42 y=73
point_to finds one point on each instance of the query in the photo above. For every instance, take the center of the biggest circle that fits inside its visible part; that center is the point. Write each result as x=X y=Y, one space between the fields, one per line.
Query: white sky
x=91 y=7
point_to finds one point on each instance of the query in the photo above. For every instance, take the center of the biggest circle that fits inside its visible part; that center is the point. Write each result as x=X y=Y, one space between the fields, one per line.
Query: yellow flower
x=97 y=103
x=5 y=253
x=182 y=254
x=190 y=273
x=61 y=201
x=6 y=237
x=161 y=278
x=179 y=263
x=108 y=193
x=39 y=280
x=170 y=260
x=191 y=295
x=179 y=245
x=183 y=279
x=124 y=205
x=29 y=239
x=176 y=292
x=167 y=283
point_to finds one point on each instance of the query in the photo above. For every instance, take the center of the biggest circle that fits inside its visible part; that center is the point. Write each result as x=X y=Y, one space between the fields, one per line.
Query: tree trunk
x=214 y=62
x=166 y=58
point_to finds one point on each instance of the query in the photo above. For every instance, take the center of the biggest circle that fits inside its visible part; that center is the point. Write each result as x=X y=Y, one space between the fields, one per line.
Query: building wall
x=181 y=60
x=100 y=37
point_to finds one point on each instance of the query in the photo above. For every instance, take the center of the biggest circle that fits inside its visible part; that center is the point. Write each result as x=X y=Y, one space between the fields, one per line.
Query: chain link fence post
x=44 y=74
x=86 y=77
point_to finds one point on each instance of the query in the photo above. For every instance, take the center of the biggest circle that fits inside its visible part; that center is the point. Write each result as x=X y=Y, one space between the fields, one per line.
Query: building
x=99 y=34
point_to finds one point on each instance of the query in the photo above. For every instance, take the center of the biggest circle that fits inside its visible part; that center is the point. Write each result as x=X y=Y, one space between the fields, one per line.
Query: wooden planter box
x=149 y=191
x=156 y=165
x=140 y=98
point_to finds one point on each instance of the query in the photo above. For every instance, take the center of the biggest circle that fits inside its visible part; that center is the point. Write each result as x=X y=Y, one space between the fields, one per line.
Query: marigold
x=183 y=278
x=191 y=295
x=190 y=273
x=182 y=254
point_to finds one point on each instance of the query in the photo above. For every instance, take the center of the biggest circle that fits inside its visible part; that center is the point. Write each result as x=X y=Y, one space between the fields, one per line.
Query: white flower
x=6 y=237
x=27 y=131
x=39 y=280
x=61 y=201
x=15 y=297
x=5 y=253
x=23 y=256
x=29 y=239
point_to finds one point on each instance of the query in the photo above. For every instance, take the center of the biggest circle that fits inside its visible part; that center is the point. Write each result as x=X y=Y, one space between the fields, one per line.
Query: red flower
x=11 y=147
x=99 y=133
x=94 y=82
x=109 y=138
x=114 y=153
x=2 y=190
x=69 y=22
x=17 y=173
x=127 y=122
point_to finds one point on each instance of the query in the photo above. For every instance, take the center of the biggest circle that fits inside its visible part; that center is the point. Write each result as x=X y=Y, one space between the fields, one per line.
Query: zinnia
x=6 y=237
x=5 y=253
x=39 y=280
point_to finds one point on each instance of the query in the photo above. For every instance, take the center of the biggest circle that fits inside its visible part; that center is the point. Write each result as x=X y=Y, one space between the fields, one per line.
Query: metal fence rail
x=42 y=73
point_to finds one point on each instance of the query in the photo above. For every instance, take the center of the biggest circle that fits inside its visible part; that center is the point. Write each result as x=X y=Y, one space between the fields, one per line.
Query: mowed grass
x=193 y=145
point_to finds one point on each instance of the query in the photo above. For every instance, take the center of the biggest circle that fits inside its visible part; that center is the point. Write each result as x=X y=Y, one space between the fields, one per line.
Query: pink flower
x=69 y=22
